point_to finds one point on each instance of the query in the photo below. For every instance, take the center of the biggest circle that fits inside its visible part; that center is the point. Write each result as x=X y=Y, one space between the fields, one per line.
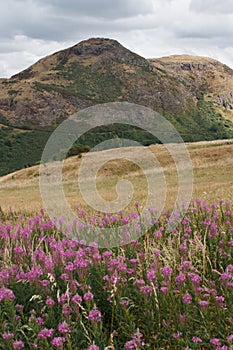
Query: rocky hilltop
x=102 y=70
x=194 y=93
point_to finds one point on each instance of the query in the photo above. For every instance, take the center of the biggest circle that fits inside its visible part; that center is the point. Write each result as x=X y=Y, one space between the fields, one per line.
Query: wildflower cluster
x=168 y=289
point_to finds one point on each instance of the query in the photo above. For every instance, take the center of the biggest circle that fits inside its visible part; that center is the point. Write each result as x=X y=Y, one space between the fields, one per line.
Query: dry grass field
x=212 y=164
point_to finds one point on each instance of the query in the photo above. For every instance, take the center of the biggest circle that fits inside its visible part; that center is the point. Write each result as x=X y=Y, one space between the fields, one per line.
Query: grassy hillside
x=212 y=165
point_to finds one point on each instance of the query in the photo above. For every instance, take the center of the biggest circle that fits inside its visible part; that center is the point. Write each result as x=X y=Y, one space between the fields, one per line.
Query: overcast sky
x=31 y=29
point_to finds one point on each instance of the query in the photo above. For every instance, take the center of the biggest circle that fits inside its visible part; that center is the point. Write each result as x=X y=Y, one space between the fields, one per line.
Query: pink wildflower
x=18 y=345
x=94 y=315
x=58 y=341
x=45 y=333
x=63 y=327
x=215 y=342
x=187 y=299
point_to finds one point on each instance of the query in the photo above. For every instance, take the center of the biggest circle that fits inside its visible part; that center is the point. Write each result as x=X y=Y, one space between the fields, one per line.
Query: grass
x=212 y=167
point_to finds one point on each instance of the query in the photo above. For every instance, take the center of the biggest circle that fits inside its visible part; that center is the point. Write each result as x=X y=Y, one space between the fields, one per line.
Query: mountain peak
x=95 y=46
x=102 y=50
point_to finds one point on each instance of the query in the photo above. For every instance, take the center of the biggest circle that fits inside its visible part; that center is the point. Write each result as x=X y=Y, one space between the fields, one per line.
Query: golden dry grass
x=212 y=168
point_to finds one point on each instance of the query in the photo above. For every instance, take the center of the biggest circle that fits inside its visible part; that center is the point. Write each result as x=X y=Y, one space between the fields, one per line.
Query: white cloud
x=31 y=29
x=212 y=6
x=100 y=8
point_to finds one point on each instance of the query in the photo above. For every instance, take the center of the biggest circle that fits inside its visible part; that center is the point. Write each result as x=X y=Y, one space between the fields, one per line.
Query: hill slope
x=194 y=93
x=212 y=170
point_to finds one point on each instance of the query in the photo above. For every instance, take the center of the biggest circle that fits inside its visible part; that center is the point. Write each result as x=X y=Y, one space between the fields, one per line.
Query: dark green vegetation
x=20 y=149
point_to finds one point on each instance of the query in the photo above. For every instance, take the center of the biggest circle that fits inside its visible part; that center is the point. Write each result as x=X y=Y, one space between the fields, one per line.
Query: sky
x=32 y=29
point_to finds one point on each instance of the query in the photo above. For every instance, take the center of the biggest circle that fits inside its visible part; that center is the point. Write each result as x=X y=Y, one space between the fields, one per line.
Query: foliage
x=20 y=149
x=77 y=149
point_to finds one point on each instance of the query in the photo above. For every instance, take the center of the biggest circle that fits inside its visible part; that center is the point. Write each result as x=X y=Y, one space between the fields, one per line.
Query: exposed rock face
x=105 y=48
x=200 y=75
x=102 y=70
x=225 y=100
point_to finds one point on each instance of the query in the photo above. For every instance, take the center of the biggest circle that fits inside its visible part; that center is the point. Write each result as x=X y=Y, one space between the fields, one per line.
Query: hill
x=212 y=177
x=194 y=93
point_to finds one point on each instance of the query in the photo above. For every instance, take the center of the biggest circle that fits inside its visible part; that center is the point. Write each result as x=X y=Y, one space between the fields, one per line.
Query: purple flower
x=186 y=264
x=220 y=300
x=64 y=297
x=139 y=282
x=94 y=315
x=177 y=335
x=63 y=327
x=77 y=299
x=45 y=333
x=151 y=275
x=180 y=278
x=158 y=234
x=146 y=289
x=50 y=301
x=88 y=296
x=58 y=341
x=18 y=345
x=39 y=321
x=203 y=303
x=196 y=340
x=166 y=271
x=157 y=252
x=7 y=336
x=20 y=250
x=6 y=294
x=229 y=268
x=135 y=342
x=45 y=283
x=124 y=302
x=230 y=338
x=107 y=254
x=183 y=246
x=164 y=290
x=69 y=266
x=131 y=344
x=215 y=342
x=187 y=299
x=225 y=276
x=176 y=291
x=195 y=278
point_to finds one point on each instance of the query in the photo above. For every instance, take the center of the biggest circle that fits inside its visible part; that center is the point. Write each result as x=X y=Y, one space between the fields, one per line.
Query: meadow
x=165 y=286
x=212 y=164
